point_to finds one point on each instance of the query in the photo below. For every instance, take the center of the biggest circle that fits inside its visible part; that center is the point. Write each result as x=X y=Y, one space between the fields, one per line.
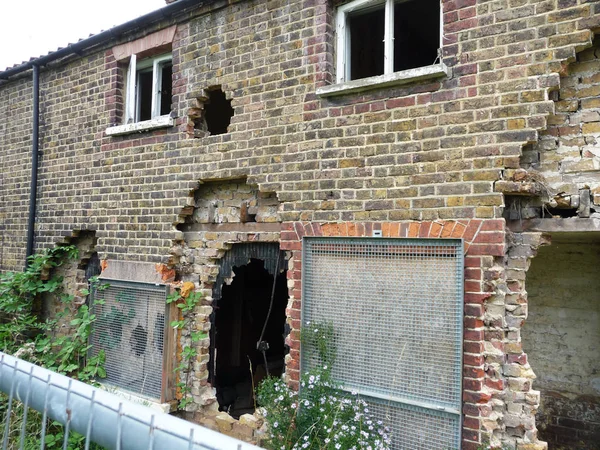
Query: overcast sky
x=31 y=28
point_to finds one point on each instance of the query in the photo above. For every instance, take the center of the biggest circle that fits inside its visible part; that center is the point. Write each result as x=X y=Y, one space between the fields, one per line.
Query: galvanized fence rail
x=99 y=416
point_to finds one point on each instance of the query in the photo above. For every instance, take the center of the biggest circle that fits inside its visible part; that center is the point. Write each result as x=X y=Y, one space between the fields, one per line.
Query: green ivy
x=24 y=333
x=190 y=352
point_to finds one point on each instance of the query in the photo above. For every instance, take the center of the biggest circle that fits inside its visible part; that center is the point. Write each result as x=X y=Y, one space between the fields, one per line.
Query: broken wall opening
x=566 y=155
x=562 y=339
x=230 y=233
x=76 y=275
x=250 y=297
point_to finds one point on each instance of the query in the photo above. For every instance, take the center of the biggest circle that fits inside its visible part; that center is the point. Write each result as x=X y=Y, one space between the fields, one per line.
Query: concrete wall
x=562 y=339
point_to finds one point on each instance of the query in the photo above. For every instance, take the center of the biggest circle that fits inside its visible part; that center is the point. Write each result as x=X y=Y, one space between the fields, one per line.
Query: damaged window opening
x=218 y=112
x=384 y=37
x=239 y=319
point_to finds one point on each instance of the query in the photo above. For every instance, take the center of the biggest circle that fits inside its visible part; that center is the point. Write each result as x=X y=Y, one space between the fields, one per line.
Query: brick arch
x=481 y=237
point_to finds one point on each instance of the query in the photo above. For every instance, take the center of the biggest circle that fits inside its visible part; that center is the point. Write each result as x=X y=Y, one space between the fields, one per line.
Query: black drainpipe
x=34 y=163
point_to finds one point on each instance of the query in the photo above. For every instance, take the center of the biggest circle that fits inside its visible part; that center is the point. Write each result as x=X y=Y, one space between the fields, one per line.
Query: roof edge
x=105 y=36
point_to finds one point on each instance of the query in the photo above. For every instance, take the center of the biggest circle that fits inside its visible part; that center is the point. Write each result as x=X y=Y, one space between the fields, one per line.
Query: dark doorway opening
x=240 y=316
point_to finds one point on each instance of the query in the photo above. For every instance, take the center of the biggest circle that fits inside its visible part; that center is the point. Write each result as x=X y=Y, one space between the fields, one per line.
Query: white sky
x=32 y=28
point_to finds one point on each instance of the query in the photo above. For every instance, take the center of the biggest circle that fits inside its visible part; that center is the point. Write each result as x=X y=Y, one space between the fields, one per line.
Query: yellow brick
x=455 y=201
x=516 y=124
x=592 y=127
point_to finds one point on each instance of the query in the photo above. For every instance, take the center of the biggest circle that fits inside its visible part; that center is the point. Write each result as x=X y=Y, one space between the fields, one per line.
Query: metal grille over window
x=396 y=308
x=131 y=319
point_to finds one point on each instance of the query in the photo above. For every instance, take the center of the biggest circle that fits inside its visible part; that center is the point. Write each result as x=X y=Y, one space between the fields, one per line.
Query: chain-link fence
x=91 y=417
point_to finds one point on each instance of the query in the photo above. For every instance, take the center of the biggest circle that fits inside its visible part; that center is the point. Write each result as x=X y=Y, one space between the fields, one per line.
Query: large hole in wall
x=562 y=340
x=240 y=314
x=218 y=112
x=76 y=274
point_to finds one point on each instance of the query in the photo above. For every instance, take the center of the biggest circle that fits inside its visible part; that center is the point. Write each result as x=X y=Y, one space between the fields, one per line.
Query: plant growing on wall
x=186 y=301
x=26 y=335
x=320 y=415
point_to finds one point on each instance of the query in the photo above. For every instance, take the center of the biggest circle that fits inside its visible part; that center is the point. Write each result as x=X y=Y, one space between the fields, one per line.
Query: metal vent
x=131 y=319
x=396 y=307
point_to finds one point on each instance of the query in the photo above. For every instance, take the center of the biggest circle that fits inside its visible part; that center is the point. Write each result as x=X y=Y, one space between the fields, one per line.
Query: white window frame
x=389 y=77
x=133 y=98
x=133 y=88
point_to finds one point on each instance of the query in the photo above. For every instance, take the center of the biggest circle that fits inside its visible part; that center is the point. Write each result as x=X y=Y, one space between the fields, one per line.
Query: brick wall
x=568 y=151
x=421 y=158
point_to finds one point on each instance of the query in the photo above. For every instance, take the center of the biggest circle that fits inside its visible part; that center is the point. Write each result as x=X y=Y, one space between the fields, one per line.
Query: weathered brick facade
x=428 y=159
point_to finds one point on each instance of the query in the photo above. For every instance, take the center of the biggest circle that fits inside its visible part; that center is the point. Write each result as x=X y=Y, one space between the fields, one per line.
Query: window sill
x=393 y=79
x=139 y=127
x=140 y=400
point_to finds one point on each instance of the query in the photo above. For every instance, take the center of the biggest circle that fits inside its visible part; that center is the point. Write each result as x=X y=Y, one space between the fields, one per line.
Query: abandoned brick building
x=424 y=174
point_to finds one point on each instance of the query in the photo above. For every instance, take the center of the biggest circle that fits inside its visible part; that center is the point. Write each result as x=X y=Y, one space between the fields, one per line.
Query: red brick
x=471 y=322
x=473 y=372
x=476 y=397
x=473 y=310
x=424 y=230
x=495 y=384
x=473 y=335
x=472 y=423
x=472 y=347
x=472 y=286
x=472 y=385
x=495 y=237
x=492 y=225
x=486 y=250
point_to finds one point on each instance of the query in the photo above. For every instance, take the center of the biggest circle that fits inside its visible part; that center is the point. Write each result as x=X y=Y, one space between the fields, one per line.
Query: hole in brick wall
x=518 y=207
x=239 y=320
x=558 y=212
x=217 y=112
x=561 y=338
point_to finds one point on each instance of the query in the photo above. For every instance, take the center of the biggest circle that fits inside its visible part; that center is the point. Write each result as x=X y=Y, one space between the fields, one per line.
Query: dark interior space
x=166 y=89
x=144 y=94
x=416 y=37
x=218 y=112
x=239 y=320
x=366 y=43
x=416 y=33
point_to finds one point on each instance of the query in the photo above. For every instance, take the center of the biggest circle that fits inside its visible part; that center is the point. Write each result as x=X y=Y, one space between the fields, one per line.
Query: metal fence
x=99 y=416
x=396 y=308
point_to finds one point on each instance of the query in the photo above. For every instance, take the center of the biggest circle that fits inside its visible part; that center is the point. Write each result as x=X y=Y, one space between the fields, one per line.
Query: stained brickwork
x=416 y=160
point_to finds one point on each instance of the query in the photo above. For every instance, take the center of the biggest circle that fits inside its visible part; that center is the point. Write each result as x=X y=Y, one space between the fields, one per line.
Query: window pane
x=166 y=89
x=416 y=33
x=144 y=92
x=366 y=43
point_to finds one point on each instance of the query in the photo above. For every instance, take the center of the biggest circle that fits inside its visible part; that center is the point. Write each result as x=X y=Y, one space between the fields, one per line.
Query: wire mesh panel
x=131 y=319
x=396 y=307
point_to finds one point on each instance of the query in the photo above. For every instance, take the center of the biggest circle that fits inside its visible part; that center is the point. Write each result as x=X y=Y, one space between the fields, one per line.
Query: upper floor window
x=149 y=88
x=381 y=37
x=146 y=76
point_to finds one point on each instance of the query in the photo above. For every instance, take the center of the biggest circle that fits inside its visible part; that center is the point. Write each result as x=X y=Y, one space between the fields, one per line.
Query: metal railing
x=99 y=416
